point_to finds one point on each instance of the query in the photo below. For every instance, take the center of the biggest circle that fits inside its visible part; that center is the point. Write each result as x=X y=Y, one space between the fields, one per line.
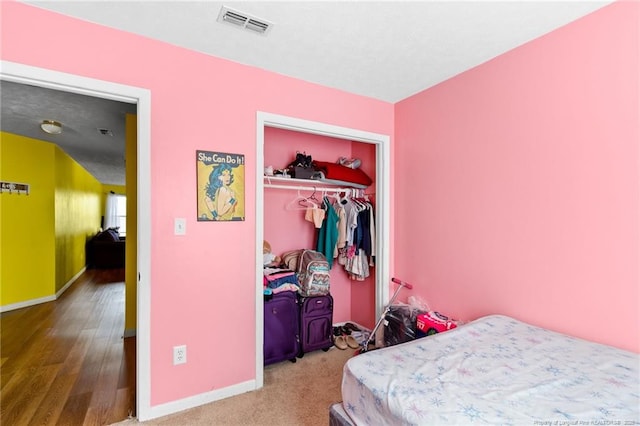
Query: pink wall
x=203 y=289
x=519 y=183
x=286 y=229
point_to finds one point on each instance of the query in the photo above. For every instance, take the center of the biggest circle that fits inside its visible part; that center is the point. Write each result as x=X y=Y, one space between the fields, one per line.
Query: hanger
x=312 y=198
x=358 y=200
x=336 y=195
x=348 y=196
x=300 y=203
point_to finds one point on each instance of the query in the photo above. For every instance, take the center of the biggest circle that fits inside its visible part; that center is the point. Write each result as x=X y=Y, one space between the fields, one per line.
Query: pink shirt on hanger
x=315 y=215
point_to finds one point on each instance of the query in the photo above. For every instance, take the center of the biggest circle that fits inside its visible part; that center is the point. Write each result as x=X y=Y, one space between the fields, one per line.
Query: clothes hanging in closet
x=348 y=235
x=358 y=257
x=328 y=233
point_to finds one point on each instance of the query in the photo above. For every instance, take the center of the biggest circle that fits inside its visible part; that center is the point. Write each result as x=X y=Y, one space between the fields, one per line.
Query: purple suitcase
x=316 y=323
x=281 y=328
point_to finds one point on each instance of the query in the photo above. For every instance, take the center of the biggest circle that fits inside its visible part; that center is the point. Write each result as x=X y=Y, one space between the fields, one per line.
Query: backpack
x=290 y=259
x=313 y=273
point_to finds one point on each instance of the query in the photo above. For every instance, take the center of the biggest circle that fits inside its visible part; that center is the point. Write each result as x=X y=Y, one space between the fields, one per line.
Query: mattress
x=337 y=416
x=495 y=370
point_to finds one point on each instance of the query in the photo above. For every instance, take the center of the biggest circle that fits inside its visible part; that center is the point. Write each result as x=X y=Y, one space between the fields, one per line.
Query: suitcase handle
x=402 y=283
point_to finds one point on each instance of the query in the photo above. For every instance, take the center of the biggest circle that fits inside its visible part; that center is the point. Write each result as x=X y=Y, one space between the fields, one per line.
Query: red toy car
x=433 y=322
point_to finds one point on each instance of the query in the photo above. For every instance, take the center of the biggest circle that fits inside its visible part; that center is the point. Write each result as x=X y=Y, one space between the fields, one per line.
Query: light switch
x=180 y=226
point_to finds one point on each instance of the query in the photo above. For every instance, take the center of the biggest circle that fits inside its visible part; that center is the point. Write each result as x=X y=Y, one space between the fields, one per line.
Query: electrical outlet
x=180 y=354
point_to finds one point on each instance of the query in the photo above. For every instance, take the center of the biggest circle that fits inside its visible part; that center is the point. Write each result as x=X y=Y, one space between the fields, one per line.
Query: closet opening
x=374 y=147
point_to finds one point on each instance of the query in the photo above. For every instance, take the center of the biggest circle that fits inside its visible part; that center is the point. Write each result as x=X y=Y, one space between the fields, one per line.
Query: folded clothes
x=274 y=276
x=277 y=282
x=286 y=287
x=339 y=172
x=272 y=270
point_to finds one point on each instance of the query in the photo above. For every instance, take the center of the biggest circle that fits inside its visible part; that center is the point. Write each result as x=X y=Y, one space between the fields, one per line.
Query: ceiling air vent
x=244 y=20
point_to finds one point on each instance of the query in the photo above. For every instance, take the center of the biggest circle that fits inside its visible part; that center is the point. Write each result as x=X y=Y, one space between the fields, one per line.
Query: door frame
x=41 y=77
x=383 y=219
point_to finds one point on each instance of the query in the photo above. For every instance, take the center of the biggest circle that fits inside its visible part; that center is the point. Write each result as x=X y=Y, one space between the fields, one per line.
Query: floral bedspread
x=495 y=370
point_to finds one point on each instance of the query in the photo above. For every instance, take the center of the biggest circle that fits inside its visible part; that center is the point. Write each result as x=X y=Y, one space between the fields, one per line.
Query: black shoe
x=351 y=326
x=301 y=160
x=345 y=330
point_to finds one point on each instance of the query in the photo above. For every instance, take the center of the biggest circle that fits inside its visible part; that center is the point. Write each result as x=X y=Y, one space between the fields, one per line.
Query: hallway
x=65 y=362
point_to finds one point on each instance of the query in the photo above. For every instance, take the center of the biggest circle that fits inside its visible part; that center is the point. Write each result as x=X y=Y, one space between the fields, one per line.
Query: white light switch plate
x=180 y=226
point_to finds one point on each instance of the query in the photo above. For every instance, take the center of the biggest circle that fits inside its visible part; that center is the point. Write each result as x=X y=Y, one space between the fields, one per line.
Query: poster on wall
x=220 y=186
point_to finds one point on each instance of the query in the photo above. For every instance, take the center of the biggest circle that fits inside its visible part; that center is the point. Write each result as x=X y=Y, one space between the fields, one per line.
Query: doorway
x=41 y=77
x=383 y=177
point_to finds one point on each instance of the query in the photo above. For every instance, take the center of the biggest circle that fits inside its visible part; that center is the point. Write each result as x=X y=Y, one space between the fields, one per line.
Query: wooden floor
x=66 y=362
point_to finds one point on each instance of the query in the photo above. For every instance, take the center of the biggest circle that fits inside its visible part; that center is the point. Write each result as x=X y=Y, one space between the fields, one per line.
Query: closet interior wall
x=286 y=229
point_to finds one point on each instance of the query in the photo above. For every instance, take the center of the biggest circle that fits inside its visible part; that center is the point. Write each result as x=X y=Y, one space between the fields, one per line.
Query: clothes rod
x=311 y=188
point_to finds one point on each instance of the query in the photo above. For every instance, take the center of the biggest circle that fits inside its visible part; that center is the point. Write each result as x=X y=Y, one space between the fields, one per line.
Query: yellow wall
x=43 y=234
x=77 y=211
x=27 y=240
x=131 y=262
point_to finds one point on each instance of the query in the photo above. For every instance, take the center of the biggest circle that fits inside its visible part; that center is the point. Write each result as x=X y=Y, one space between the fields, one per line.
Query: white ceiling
x=23 y=107
x=387 y=50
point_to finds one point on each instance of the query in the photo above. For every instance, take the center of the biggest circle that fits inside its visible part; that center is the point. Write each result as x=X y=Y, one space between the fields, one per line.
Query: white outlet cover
x=180 y=226
x=179 y=354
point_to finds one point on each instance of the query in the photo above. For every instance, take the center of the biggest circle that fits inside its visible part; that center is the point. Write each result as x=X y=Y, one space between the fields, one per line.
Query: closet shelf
x=293 y=183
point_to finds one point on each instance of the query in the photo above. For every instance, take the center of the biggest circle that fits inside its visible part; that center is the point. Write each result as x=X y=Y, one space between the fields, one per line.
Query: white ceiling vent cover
x=244 y=20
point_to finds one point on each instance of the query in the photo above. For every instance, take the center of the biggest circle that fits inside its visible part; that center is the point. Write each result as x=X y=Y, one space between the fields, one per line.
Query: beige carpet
x=297 y=394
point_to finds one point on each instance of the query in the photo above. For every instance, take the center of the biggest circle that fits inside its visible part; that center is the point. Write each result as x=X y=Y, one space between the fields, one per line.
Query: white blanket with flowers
x=495 y=370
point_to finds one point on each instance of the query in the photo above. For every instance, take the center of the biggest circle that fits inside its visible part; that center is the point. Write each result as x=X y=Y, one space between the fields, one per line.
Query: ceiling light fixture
x=51 y=126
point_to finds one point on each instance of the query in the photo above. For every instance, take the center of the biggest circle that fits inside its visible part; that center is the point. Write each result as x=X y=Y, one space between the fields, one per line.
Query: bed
x=495 y=370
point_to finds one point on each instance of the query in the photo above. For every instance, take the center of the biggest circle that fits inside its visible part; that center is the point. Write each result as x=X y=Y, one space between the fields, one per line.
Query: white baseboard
x=361 y=327
x=71 y=281
x=198 y=400
x=26 y=303
x=39 y=300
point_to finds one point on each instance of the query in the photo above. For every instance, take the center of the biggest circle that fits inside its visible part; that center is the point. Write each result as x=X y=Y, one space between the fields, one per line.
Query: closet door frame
x=383 y=184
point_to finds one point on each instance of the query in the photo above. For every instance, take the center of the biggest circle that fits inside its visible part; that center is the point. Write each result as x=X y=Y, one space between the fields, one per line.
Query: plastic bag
x=400 y=322
x=419 y=304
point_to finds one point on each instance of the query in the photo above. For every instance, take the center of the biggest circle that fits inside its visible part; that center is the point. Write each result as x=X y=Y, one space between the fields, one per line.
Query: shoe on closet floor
x=340 y=342
x=344 y=330
x=351 y=342
x=351 y=326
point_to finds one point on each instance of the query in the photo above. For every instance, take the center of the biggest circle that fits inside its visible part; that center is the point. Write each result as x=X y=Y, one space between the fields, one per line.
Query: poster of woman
x=220 y=186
